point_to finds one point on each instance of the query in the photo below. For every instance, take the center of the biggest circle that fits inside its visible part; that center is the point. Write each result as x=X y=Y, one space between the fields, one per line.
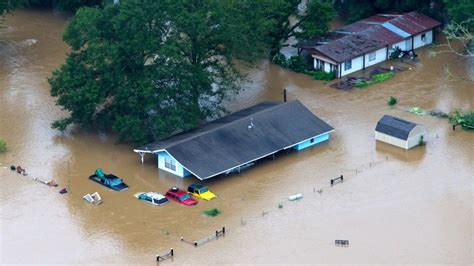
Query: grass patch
x=392 y=101
x=375 y=79
x=3 y=146
x=212 y=212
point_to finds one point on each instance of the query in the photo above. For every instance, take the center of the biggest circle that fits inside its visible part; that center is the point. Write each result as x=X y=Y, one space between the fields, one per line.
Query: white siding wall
x=429 y=39
x=415 y=135
x=180 y=171
x=380 y=55
x=327 y=67
x=400 y=44
x=390 y=140
x=357 y=64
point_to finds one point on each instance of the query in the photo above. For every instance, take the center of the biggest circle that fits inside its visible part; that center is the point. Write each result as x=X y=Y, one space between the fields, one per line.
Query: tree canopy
x=148 y=69
x=283 y=19
x=9 y=5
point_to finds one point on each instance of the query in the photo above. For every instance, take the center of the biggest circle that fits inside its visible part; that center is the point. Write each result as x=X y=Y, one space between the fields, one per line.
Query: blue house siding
x=311 y=142
x=179 y=169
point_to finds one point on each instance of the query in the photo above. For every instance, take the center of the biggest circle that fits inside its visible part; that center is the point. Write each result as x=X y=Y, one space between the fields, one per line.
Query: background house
x=370 y=41
x=234 y=142
x=399 y=132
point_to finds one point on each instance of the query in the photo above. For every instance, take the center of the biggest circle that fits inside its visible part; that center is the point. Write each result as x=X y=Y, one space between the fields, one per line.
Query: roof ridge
x=233 y=122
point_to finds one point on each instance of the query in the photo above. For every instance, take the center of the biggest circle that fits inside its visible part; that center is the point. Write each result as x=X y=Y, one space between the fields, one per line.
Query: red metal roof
x=368 y=35
x=380 y=18
x=414 y=22
x=355 y=45
x=355 y=27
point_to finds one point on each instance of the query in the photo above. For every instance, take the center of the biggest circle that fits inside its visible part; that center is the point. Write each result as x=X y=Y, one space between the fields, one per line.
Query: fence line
x=219 y=233
x=170 y=254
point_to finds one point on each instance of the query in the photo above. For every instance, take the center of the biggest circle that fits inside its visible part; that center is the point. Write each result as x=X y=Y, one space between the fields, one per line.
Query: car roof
x=154 y=195
x=178 y=193
x=197 y=186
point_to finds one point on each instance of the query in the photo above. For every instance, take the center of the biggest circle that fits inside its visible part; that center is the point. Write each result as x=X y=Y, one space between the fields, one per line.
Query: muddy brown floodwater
x=395 y=206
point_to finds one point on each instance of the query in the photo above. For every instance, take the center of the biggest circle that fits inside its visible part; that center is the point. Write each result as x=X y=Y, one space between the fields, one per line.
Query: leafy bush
x=3 y=146
x=466 y=120
x=392 y=101
x=382 y=76
x=212 y=212
x=396 y=53
x=297 y=64
x=375 y=79
x=417 y=111
x=280 y=59
x=321 y=75
x=363 y=83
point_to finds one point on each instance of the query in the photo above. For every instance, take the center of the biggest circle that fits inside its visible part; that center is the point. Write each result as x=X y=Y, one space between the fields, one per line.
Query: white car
x=152 y=198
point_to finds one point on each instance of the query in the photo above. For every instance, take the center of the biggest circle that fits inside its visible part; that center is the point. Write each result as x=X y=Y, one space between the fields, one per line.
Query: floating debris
x=51 y=182
x=63 y=191
x=93 y=198
x=342 y=242
x=295 y=197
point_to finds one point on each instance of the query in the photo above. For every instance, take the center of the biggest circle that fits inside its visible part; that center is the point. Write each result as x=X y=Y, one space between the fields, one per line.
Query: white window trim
x=170 y=163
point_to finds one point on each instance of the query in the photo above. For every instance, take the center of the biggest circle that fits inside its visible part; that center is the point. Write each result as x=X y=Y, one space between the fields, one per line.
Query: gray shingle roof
x=228 y=142
x=394 y=126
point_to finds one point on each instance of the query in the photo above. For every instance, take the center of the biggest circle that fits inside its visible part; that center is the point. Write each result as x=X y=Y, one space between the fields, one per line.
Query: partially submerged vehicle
x=108 y=180
x=180 y=196
x=201 y=191
x=152 y=198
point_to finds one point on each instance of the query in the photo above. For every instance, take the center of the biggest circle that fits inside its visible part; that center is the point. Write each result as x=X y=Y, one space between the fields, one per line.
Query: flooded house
x=238 y=140
x=369 y=41
x=399 y=132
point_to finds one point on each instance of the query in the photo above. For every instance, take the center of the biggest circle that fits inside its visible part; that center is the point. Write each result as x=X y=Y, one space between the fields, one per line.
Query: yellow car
x=201 y=191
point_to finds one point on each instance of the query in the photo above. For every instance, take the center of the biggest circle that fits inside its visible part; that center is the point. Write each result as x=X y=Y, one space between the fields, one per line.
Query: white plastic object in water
x=96 y=197
x=295 y=197
x=89 y=198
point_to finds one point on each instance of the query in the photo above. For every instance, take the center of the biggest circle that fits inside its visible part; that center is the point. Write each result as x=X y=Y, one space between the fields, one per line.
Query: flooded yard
x=394 y=206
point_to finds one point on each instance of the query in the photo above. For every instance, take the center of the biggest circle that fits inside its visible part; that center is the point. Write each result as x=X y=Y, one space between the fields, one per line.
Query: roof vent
x=251 y=125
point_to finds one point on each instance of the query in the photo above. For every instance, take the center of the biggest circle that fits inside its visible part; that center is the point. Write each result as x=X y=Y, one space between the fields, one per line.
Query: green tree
x=353 y=10
x=148 y=69
x=282 y=19
x=9 y=5
x=461 y=11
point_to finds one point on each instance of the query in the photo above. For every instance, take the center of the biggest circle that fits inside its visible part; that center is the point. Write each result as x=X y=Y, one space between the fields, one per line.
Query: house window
x=423 y=37
x=348 y=65
x=372 y=56
x=311 y=140
x=170 y=163
x=320 y=65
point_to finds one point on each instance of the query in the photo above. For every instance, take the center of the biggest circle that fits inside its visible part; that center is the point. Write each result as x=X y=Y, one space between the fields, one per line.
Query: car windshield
x=115 y=182
x=203 y=190
x=160 y=201
x=184 y=197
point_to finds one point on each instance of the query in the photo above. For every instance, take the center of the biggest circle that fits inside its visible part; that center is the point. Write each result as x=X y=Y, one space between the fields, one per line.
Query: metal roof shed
x=399 y=132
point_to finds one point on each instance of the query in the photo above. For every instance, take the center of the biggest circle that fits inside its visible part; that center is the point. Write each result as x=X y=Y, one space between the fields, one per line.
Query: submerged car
x=180 y=196
x=152 y=198
x=201 y=191
x=108 y=180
